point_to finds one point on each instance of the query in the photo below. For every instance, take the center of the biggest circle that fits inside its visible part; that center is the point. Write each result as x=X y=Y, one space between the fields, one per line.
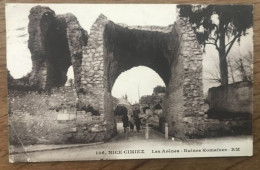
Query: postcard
x=129 y=81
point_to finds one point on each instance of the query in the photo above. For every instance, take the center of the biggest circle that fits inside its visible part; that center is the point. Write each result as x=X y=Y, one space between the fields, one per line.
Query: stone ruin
x=55 y=42
x=58 y=41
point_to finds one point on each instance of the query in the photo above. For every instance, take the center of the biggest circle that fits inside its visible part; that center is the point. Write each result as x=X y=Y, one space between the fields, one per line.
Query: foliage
x=147 y=99
x=242 y=67
x=9 y=77
x=219 y=25
x=159 y=89
x=125 y=97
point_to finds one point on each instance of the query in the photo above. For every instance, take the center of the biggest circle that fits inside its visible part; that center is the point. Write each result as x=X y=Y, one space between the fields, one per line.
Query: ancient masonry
x=57 y=41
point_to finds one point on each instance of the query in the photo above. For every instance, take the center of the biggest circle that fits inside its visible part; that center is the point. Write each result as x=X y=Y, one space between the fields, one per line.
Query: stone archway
x=172 y=52
x=58 y=41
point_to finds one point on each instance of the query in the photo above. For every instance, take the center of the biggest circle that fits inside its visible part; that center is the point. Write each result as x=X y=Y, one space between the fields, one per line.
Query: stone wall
x=64 y=127
x=92 y=83
x=52 y=118
x=93 y=89
x=151 y=101
x=234 y=98
x=184 y=97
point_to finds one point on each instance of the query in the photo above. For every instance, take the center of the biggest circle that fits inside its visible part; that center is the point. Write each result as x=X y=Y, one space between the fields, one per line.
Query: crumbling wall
x=184 y=97
x=40 y=19
x=93 y=92
x=233 y=98
x=52 y=118
x=92 y=81
x=55 y=43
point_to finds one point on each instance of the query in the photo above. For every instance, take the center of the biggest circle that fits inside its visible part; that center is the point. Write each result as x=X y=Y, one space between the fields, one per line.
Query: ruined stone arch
x=125 y=48
x=98 y=59
x=173 y=52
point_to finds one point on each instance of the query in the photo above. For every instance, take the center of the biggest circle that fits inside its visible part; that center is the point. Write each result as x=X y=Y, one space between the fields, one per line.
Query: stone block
x=74 y=129
x=72 y=110
x=197 y=53
x=84 y=119
x=98 y=128
x=63 y=116
x=89 y=114
x=72 y=116
x=97 y=118
x=89 y=85
x=201 y=113
x=81 y=112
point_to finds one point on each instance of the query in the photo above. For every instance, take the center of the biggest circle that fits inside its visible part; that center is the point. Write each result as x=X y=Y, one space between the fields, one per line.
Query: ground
x=135 y=146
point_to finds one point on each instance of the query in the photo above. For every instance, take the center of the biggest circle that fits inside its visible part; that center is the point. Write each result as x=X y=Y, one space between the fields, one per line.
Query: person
x=131 y=122
x=137 y=123
x=125 y=122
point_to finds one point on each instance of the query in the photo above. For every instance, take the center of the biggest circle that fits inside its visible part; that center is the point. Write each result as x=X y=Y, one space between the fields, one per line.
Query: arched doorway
x=174 y=57
x=119 y=112
x=136 y=90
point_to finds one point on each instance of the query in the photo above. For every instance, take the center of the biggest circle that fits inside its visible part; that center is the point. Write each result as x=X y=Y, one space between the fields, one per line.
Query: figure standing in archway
x=131 y=123
x=137 y=123
x=125 y=122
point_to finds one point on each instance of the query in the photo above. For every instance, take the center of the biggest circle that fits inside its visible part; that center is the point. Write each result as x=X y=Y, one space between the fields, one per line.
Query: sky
x=211 y=58
x=140 y=77
x=19 y=57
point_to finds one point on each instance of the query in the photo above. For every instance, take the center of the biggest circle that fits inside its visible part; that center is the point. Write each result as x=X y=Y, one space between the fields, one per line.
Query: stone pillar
x=36 y=44
x=166 y=131
x=93 y=81
x=185 y=89
x=55 y=43
x=147 y=131
x=77 y=39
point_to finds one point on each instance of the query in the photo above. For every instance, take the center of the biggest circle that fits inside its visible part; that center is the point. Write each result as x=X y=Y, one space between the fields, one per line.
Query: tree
x=239 y=66
x=242 y=67
x=219 y=25
x=159 y=89
x=9 y=77
x=125 y=97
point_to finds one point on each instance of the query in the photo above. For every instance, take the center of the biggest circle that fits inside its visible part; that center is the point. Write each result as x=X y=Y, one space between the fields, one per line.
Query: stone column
x=185 y=90
x=92 y=80
x=40 y=19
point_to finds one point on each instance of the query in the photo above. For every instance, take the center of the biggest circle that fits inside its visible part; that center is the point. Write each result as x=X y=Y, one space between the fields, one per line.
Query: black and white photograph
x=129 y=81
